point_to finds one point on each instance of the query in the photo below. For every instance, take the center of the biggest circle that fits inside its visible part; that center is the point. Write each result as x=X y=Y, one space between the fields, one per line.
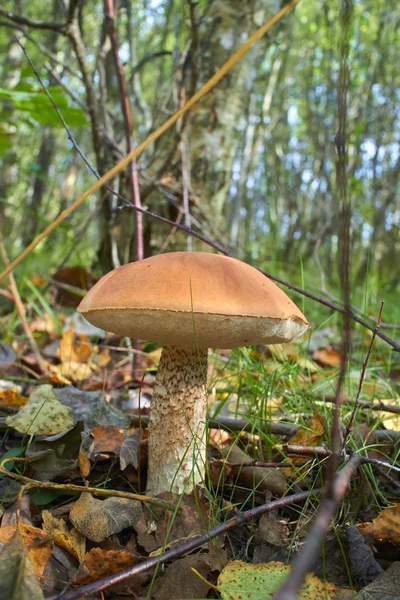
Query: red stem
x=127 y=113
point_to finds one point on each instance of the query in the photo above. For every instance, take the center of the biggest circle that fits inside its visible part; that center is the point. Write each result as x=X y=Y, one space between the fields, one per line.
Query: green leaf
x=43 y=497
x=11 y=453
x=240 y=580
x=38 y=105
x=5 y=141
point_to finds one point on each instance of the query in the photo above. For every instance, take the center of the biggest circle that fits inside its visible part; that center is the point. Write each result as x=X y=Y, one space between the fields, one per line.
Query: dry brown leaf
x=71 y=540
x=99 y=563
x=328 y=357
x=98 y=519
x=385 y=527
x=71 y=371
x=11 y=398
x=35 y=541
x=312 y=435
x=79 y=360
x=102 y=358
x=43 y=324
x=108 y=438
x=38 y=281
x=84 y=463
x=390 y=420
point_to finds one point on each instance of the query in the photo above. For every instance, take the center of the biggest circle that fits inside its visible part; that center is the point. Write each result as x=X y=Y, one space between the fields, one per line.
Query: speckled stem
x=177 y=429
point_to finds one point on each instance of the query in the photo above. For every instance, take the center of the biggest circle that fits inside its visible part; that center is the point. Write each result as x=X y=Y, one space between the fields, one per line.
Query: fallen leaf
x=7 y=356
x=71 y=540
x=43 y=414
x=71 y=371
x=312 y=434
x=43 y=324
x=27 y=509
x=364 y=567
x=385 y=527
x=272 y=530
x=12 y=398
x=130 y=450
x=328 y=357
x=242 y=580
x=179 y=581
x=35 y=542
x=260 y=478
x=99 y=563
x=384 y=587
x=17 y=574
x=9 y=490
x=92 y=408
x=56 y=454
x=98 y=519
x=108 y=438
x=171 y=529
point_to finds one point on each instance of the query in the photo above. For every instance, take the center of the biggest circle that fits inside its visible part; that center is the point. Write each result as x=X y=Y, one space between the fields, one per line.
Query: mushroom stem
x=177 y=431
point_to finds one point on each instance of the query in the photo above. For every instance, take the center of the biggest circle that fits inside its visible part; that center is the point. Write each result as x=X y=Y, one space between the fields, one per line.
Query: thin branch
x=349 y=427
x=308 y=554
x=41 y=47
x=128 y=126
x=323 y=452
x=69 y=487
x=150 y=57
x=21 y=311
x=68 y=131
x=59 y=27
x=186 y=547
x=344 y=231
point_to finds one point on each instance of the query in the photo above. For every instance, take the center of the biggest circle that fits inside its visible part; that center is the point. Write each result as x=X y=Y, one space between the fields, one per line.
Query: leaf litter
x=83 y=434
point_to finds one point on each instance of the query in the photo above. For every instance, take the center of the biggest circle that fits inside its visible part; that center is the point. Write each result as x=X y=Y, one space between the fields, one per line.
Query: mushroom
x=189 y=302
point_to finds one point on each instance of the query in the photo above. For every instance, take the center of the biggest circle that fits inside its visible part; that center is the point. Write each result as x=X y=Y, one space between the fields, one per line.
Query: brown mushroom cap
x=193 y=299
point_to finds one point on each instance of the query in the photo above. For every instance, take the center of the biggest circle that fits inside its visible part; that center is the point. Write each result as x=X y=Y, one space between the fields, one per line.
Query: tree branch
x=128 y=122
x=308 y=554
x=59 y=27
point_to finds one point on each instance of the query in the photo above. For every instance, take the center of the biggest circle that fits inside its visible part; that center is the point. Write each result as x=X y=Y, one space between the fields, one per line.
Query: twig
x=69 y=487
x=128 y=122
x=306 y=557
x=21 y=311
x=325 y=453
x=349 y=427
x=376 y=405
x=59 y=27
x=67 y=129
x=185 y=548
x=43 y=49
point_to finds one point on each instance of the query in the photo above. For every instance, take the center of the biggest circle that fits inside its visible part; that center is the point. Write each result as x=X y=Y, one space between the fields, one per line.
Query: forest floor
x=74 y=406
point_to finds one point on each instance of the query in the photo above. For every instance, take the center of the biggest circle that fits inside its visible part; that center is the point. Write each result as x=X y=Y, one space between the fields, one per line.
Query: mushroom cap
x=193 y=299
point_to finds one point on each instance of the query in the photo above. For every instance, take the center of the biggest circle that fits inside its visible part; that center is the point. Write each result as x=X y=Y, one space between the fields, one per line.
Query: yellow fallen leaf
x=35 y=541
x=71 y=540
x=12 y=398
x=385 y=527
x=99 y=563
